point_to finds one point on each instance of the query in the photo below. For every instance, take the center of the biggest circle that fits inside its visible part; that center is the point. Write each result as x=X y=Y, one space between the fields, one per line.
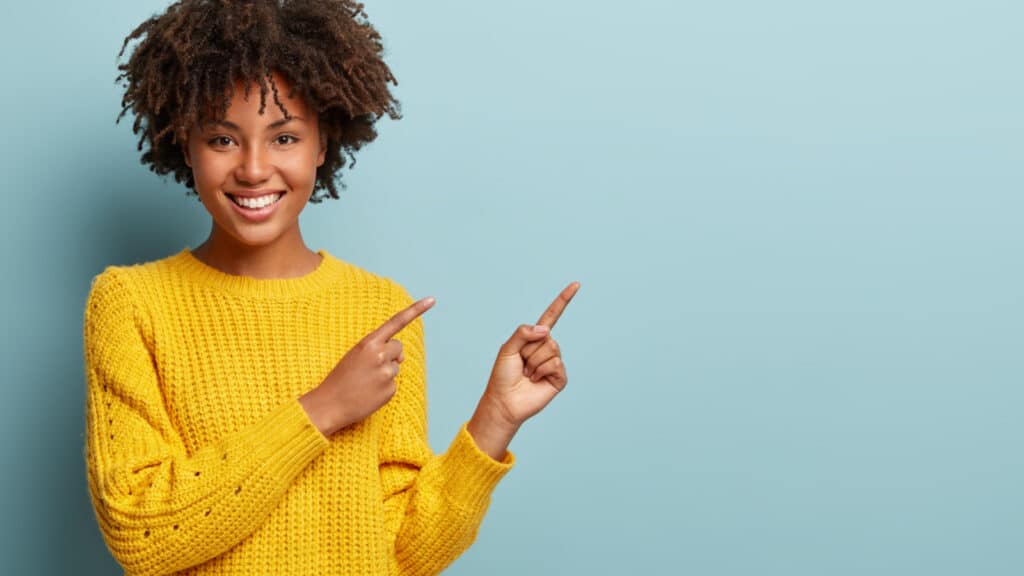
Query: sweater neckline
x=324 y=275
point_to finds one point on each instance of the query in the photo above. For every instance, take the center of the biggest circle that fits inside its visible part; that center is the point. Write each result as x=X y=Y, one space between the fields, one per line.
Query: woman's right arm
x=160 y=509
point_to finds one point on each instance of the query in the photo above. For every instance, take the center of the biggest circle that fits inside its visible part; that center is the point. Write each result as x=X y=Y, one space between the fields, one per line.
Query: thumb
x=523 y=335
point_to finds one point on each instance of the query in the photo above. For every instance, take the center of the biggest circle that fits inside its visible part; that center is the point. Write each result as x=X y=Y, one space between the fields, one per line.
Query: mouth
x=256 y=202
x=256 y=208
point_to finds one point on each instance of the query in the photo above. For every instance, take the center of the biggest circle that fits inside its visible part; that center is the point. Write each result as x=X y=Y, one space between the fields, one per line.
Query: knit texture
x=201 y=460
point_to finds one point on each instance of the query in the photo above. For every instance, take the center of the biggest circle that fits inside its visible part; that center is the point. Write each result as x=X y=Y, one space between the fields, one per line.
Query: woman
x=254 y=406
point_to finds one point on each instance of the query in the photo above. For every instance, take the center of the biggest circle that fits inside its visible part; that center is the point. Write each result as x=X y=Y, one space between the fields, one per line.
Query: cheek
x=208 y=172
x=301 y=168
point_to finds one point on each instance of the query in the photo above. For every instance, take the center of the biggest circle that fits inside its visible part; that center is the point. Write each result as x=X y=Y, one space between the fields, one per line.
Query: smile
x=258 y=208
x=256 y=202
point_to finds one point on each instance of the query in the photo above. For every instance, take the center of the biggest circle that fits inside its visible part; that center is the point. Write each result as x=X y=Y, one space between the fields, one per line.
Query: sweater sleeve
x=161 y=509
x=434 y=504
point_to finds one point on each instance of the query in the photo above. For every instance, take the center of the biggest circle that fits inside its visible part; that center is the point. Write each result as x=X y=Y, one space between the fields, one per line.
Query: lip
x=260 y=214
x=252 y=193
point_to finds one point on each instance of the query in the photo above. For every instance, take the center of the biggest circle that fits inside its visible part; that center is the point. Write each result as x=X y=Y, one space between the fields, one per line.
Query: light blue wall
x=797 y=349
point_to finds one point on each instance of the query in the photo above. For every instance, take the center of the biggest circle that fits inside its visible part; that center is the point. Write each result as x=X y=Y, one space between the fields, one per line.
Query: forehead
x=247 y=107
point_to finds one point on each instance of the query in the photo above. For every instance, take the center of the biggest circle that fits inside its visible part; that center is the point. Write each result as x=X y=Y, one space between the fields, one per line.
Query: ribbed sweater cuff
x=473 y=473
x=287 y=441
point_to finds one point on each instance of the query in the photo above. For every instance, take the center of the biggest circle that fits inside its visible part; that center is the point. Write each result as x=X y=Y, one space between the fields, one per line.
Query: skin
x=527 y=375
x=253 y=151
x=249 y=152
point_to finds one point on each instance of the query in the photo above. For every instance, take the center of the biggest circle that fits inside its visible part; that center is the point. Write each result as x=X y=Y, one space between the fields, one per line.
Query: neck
x=288 y=257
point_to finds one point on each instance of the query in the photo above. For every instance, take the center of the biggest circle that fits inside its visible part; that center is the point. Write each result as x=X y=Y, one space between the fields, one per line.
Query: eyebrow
x=272 y=125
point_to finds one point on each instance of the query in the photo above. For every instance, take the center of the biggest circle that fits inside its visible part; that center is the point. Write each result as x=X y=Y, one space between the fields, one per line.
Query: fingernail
x=540 y=329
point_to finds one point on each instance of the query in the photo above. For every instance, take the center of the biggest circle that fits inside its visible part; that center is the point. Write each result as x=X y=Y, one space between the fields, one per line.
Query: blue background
x=797 y=348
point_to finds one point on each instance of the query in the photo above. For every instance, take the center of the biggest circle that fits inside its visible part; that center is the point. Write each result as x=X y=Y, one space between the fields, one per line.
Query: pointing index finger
x=554 y=311
x=394 y=325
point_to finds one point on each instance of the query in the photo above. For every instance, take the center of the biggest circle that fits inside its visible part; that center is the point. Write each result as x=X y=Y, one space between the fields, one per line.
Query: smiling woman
x=217 y=377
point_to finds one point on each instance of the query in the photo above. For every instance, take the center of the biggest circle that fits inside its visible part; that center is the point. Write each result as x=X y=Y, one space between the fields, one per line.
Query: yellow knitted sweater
x=201 y=460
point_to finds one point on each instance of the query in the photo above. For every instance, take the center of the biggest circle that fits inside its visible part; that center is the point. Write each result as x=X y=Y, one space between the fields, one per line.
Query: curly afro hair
x=183 y=70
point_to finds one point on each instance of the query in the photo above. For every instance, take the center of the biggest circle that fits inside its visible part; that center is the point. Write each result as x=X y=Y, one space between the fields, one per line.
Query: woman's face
x=266 y=161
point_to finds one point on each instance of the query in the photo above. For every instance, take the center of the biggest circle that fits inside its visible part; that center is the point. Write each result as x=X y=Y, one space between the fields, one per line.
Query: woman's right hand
x=364 y=379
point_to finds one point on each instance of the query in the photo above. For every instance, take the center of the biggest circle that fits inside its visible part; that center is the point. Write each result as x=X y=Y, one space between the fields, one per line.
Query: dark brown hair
x=184 y=68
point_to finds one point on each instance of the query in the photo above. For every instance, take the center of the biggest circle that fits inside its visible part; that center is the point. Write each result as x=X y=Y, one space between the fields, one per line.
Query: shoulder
x=110 y=311
x=109 y=292
x=374 y=285
x=114 y=290
x=117 y=278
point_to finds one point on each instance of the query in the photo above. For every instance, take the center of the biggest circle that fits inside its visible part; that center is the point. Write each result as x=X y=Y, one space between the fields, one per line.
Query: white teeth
x=258 y=202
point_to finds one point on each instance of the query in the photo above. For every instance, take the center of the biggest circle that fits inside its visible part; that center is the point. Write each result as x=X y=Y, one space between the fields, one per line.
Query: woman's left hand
x=528 y=372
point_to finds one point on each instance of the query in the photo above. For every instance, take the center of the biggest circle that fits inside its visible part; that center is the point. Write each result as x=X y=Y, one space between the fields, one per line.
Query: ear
x=185 y=153
x=323 y=150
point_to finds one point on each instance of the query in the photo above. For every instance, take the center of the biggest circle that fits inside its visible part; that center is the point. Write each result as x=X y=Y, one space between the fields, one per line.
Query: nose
x=254 y=165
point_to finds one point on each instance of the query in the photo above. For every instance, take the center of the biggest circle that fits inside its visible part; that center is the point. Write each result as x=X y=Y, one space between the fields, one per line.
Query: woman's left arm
x=434 y=504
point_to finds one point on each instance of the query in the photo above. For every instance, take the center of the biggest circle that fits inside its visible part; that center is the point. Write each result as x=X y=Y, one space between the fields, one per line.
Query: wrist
x=491 y=429
x=492 y=412
x=319 y=412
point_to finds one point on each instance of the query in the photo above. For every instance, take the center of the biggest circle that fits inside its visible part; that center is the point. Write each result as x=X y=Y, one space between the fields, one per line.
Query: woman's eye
x=220 y=141
x=285 y=139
